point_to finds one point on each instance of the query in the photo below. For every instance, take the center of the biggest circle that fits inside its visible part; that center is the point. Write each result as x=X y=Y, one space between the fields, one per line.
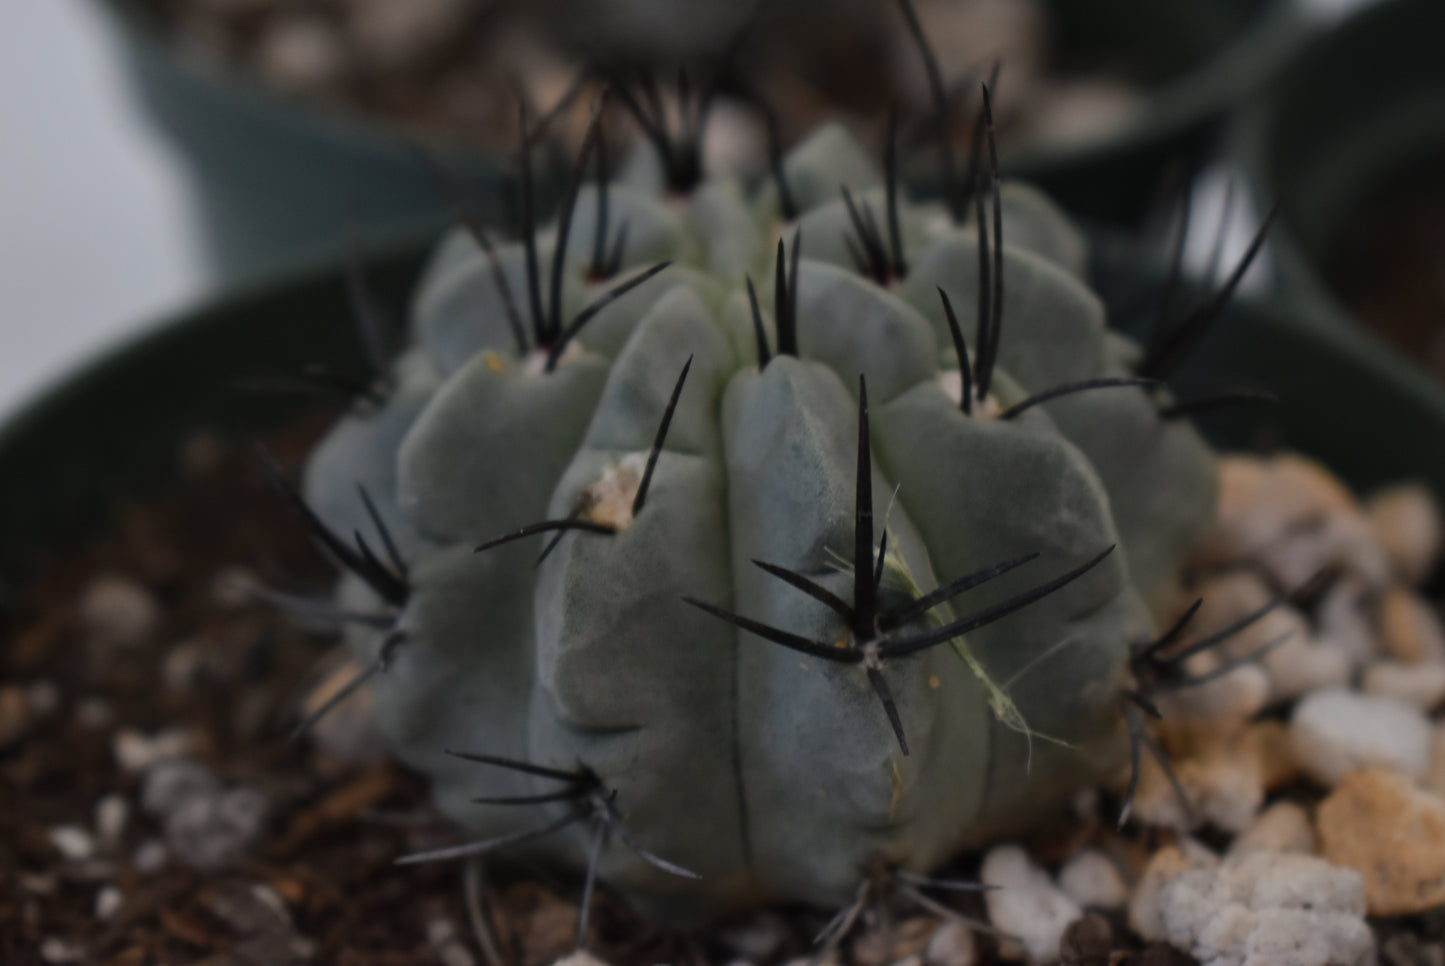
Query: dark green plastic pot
x=1360 y=106
x=115 y=430
x=277 y=179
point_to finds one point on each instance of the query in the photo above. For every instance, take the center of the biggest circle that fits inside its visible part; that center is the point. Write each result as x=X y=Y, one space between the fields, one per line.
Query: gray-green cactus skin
x=772 y=775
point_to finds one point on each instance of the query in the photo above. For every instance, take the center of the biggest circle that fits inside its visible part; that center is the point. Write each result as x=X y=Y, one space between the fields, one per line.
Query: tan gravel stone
x=1267 y=742
x=1266 y=503
x=1217 y=707
x=1390 y=832
x=1419 y=685
x=1407 y=522
x=1434 y=779
x=1409 y=628
x=1223 y=790
x=1283 y=827
x=400 y=36
x=348 y=731
x=1298 y=664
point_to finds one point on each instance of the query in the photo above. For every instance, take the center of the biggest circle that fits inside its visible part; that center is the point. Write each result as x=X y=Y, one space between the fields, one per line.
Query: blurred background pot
x=1351 y=141
x=118 y=429
x=1116 y=90
x=1195 y=62
x=278 y=180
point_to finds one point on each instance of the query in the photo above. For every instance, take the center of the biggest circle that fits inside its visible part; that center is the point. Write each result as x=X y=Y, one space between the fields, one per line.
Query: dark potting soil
x=103 y=690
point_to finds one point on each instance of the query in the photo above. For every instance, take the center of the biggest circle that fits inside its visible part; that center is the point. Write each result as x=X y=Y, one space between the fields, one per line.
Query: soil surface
x=139 y=650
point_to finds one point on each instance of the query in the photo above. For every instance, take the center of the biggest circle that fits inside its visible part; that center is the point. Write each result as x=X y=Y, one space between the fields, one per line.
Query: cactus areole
x=728 y=545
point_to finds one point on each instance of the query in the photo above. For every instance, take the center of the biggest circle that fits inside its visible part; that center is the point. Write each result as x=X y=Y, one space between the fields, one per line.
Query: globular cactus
x=730 y=596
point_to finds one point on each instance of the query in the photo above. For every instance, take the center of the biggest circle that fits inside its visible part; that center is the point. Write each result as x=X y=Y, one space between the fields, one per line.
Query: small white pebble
x=1418 y=685
x=1299 y=665
x=1224 y=702
x=439 y=931
x=1343 y=619
x=108 y=902
x=271 y=899
x=150 y=857
x=173 y=783
x=1265 y=909
x=1334 y=732
x=1407 y=523
x=301 y=53
x=234 y=587
x=1091 y=879
x=136 y=752
x=43 y=698
x=1026 y=904
x=94 y=714
x=111 y=814
x=1343 y=540
x=209 y=830
x=53 y=949
x=580 y=958
x=119 y=611
x=953 y=944
x=72 y=841
x=757 y=939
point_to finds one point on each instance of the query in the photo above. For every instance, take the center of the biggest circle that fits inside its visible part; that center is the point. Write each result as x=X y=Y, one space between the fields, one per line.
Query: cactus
x=726 y=595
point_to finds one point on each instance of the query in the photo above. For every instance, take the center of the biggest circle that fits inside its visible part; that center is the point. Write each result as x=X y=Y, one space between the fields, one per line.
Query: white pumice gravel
x=1263 y=909
x=1335 y=732
x=1025 y=904
x=1092 y=880
x=952 y=944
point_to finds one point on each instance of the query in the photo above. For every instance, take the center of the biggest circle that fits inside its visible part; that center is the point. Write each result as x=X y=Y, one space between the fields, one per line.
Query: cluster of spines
x=876 y=635
x=785 y=303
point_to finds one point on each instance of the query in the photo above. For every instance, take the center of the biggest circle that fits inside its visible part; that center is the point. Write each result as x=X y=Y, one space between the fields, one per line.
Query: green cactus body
x=769 y=773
